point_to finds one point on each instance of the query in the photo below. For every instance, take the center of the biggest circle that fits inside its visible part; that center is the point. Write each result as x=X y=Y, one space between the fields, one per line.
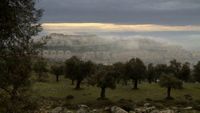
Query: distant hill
x=108 y=50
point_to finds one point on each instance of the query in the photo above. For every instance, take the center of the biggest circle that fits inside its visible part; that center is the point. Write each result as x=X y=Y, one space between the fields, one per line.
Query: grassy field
x=90 y=93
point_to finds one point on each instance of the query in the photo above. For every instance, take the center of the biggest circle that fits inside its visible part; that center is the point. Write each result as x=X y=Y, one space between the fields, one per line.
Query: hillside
x=108 y=50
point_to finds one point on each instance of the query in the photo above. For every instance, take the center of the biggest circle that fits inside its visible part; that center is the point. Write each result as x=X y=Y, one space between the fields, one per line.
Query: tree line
x=170 y=76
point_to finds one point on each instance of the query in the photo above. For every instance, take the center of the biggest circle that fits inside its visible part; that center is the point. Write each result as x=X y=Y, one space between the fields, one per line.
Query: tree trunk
x=13 y=94
x=57 y=78
x=149 y=80
x=13 y=98
x=169 y=93
x=155 y=80
x=103 y=91
x=78 y=83
x=118 y=81
x=39 y=76
x=135 y=84
x=72 y=82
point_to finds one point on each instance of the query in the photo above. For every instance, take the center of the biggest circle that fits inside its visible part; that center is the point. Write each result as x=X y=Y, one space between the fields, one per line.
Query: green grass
x=90 y=93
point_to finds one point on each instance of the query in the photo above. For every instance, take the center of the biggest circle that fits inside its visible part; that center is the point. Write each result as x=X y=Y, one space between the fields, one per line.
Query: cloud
x=109 y=27
x=168 y=12
x=186 y=36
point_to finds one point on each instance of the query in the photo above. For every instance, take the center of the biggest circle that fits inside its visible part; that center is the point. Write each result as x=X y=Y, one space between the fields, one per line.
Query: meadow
x=146 y=91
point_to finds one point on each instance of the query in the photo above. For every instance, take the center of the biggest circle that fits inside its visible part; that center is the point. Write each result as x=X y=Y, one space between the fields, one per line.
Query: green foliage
x=120 y=70
x=76 y=69
x=196 y=72
x=161 y=69
x=170 y=81
x=18 y=24
x=71 y=67
x=57 y=70
x=135 y=70
x=104 y=78
x=175 y=67
x=151 y=73
x=185 y=71
x=40 y=67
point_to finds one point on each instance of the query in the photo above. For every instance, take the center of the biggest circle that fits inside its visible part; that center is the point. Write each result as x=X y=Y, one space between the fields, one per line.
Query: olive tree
x=160 y=69
x=104 y=77
x=78 y=70
x=175 y=67
x=40 y=68
x=119 y=68
x=135 y=70
x=185 y=72
x=18 y=24
x=151 y=73
x=170 y=82
x=57 y=70
x=196 y=72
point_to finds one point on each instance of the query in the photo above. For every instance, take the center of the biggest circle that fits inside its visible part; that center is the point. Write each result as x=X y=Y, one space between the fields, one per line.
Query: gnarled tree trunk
x=169 y=93
x=78 y=83
x=103 y=92
x=57 y=78
x=135 y=84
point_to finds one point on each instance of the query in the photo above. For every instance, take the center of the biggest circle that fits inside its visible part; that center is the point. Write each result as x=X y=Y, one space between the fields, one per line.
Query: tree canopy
x=78 y=70
x=196 y=72
x=170 y=82
x=57 y=70
x=18 y=24
x=104 y=78
x=135 y=70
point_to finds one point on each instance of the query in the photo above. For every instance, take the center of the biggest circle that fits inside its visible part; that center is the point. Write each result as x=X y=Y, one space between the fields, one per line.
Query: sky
x=176 y=21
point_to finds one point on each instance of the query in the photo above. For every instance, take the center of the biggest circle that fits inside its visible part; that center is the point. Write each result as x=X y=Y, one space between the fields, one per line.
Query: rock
x=188 y=108
x=65 y=110
x=83 y=106
x=155 y=111
x=145 y=109
x=167 y=111
x=149 y=109
x=68 y=112
x=132 y=112
x=94 y=111
x=116 y=109
x=107 y=109
x=147 y=105
x=43 y=111
x=83 y=109
x=140 y=110
x=57 y=110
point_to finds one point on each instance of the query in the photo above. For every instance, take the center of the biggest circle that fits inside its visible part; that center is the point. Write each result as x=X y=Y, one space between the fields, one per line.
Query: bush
x=70 y=97
x=125 y=104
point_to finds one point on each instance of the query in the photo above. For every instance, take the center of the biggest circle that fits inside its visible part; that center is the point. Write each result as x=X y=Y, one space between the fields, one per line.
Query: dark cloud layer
x=168 y=12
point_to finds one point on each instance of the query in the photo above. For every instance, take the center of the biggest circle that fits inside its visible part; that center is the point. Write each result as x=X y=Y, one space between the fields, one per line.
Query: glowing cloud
x=117 y=27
